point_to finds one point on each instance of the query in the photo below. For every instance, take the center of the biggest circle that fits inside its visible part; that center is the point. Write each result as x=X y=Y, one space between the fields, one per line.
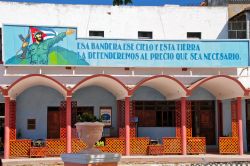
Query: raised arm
x=59 y=37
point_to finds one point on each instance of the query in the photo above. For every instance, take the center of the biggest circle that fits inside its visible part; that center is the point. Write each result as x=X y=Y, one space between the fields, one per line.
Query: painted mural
x=43 y=46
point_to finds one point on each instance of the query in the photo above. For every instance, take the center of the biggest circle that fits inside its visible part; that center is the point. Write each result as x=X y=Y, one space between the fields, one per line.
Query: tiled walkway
x=167 y=160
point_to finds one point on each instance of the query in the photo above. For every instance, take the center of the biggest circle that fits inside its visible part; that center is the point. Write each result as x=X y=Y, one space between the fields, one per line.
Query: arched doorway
x=159 y=97
x=204 y=124
x=156 y=115
x=38 y=113
x=28 y=101
x=94 y=100
x=228 y=93
x=100 y=93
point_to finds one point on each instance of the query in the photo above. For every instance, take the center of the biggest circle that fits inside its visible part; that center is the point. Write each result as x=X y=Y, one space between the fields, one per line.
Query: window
x=31 y=124
x=237 y=28
x=165 y=119
x=96 y=33
x=194 y=35
x=145 y=35
x=155 y=113
x=2 y=109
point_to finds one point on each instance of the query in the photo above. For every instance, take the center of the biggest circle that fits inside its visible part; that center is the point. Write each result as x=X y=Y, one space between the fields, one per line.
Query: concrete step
x=165 y=160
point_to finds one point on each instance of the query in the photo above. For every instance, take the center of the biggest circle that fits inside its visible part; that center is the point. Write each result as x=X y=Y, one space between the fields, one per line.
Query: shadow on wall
x=224 y=32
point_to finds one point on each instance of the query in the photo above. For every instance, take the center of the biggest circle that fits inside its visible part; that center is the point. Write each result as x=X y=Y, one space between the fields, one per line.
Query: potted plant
x=99 y=143
x=38 y=143
x=101 y=146
x=89 y=129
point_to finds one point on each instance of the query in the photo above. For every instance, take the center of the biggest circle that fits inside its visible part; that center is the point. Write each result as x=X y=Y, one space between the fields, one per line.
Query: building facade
x=188 y=106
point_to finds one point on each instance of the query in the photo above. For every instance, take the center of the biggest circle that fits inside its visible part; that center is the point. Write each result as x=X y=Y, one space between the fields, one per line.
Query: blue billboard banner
x=48 y=46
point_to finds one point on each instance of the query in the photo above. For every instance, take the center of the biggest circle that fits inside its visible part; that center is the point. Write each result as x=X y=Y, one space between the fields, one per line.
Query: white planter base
x=81 y=159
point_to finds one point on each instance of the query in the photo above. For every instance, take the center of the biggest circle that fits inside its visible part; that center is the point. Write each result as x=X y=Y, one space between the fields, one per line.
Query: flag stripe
x=47 y=33
x=45 y=29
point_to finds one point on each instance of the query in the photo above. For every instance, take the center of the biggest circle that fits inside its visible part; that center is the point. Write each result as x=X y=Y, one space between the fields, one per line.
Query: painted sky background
x=109 y=2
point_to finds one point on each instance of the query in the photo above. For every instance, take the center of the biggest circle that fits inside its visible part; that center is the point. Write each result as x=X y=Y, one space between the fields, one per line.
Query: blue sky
x=109 y=2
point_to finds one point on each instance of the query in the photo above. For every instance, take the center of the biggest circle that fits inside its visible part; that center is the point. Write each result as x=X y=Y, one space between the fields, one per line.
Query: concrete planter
x=90 y=133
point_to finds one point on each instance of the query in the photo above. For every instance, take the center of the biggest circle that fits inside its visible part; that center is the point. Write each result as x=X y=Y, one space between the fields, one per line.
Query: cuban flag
x=47 y=33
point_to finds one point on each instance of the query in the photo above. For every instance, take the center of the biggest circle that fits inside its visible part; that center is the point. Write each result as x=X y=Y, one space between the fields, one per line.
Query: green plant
x=86 y=117
x=99 y=143
x=38 y=143
x=19 y=134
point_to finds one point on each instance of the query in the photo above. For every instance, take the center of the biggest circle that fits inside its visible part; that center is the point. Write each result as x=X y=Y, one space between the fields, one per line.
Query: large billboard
x=54 y=46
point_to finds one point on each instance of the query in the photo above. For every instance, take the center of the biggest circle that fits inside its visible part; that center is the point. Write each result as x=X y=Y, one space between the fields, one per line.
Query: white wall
x=196 y=20
x=130 y=77
x=166 y=22
x=145 y=93
x=201 y=94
